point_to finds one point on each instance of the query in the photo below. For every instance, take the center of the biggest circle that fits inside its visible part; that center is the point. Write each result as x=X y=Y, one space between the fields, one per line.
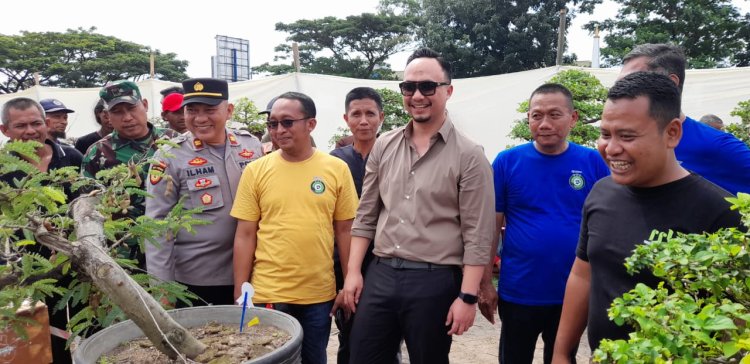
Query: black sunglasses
x=426 y=88
x=288 y=123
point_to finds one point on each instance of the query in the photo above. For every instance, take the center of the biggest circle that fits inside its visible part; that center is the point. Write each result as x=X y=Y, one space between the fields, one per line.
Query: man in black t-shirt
x=646 y=194
x=23 y=119
x=363 y=108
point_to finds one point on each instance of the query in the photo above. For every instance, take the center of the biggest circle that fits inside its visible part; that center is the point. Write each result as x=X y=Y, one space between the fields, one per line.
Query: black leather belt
x=399 y=263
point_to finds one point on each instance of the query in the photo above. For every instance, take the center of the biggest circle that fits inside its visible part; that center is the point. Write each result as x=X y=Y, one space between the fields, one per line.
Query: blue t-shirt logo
x=576 y=181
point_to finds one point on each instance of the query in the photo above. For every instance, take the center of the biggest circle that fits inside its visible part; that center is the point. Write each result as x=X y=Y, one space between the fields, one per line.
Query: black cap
x=211 y=91
x=269 y=106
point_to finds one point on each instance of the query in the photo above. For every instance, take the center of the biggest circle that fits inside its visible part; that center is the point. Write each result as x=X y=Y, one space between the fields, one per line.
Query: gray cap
x=269 y=106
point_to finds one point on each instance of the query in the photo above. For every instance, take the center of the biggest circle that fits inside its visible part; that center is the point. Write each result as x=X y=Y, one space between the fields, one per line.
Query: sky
x=189 y=30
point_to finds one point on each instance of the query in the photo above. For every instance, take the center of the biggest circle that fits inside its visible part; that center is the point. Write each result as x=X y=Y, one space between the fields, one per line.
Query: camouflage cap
x=119 y=92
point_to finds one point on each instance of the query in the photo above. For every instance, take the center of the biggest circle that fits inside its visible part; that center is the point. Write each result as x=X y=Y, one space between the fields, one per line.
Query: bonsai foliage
x=246 y=113
x=393 y=107
x=742 y=129
x=35 y=204
x=699 y=313
x=588 y=99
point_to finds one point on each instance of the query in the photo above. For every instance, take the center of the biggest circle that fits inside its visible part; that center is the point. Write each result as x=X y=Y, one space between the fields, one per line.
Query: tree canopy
x=713 y=33
x=78 y=58
x=357 y=46
x=485 y=37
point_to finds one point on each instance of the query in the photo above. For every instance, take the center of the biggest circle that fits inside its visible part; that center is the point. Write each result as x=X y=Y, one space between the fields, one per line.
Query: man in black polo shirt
x=23 y=119
x=364 y=115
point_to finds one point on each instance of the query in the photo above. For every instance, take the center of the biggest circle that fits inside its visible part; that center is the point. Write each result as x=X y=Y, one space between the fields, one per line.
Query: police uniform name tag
x=205 y=192
x=195 y=171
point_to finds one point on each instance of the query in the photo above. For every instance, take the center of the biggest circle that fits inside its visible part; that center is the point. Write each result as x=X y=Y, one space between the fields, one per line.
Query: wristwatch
x=468 y=298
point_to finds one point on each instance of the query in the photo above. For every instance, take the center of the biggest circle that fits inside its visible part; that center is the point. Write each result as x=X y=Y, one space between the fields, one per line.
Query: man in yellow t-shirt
x=290 y=205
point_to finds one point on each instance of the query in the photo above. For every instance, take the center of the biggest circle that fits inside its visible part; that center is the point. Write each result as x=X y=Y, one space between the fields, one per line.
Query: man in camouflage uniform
x=205 y=168
x=133 y=140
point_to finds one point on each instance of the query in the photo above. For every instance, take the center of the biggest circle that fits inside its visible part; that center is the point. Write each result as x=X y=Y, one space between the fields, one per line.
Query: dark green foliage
x=588 y=99
x=712 y=33
x=359 y=45
x=485 y=37
x=699 y=313
x=78 y=58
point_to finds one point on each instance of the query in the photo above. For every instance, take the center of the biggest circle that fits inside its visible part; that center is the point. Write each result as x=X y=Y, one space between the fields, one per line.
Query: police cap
x=209 y=91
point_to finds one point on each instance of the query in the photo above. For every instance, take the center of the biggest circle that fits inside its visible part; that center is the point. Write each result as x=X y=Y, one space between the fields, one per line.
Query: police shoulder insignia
x=197 y=143
x=246 y=153
x=207 y=199
x=317 y=186
x=157 y=172
x=232 y=139
x=197 y=161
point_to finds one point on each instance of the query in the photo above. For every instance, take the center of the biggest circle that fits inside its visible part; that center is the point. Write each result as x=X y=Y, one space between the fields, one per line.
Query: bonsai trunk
x=89 y=257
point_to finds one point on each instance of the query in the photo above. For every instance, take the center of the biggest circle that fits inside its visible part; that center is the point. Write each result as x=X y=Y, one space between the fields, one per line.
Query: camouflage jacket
x=113 y=150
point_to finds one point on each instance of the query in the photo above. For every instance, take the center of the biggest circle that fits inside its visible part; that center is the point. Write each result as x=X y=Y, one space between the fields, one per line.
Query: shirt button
x=401 y=221
x=398 y=246
x=412 y=173
x=407 y=197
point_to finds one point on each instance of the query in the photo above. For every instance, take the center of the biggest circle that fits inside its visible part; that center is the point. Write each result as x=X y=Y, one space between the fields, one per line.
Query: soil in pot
x=225 y=345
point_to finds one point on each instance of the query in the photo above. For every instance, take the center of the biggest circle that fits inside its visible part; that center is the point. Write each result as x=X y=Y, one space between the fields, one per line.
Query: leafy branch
x=699 y=313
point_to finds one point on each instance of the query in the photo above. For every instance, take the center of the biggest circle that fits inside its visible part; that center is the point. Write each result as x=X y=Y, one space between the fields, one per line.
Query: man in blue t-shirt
x=717 y=156
x=539 y=192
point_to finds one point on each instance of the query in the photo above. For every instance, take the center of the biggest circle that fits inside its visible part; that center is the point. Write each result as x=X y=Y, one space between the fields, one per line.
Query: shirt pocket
x=205 y=192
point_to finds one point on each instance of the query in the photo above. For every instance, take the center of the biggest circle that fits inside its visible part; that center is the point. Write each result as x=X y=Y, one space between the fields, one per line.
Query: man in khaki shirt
x=427 y=201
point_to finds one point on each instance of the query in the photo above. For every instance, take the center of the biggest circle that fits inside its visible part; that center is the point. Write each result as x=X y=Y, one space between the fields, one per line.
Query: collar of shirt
x=139 y=144
x=57 y=150
x=445 y=130
x=197 y=144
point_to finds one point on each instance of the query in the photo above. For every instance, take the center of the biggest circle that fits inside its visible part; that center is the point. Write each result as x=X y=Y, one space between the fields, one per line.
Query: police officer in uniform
x=206 y=167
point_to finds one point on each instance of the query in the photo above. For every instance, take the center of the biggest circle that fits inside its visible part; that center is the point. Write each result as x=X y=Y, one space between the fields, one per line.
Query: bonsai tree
x=246 y=113
x=588 y=99
x=700 y=312
x=85 y=234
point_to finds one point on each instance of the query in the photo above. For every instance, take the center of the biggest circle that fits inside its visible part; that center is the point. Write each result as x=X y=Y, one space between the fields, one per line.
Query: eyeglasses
x=288 y=123
x=426 y=88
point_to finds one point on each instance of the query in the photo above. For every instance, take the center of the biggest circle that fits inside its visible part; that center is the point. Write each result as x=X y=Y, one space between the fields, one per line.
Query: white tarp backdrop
x=483 y=108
